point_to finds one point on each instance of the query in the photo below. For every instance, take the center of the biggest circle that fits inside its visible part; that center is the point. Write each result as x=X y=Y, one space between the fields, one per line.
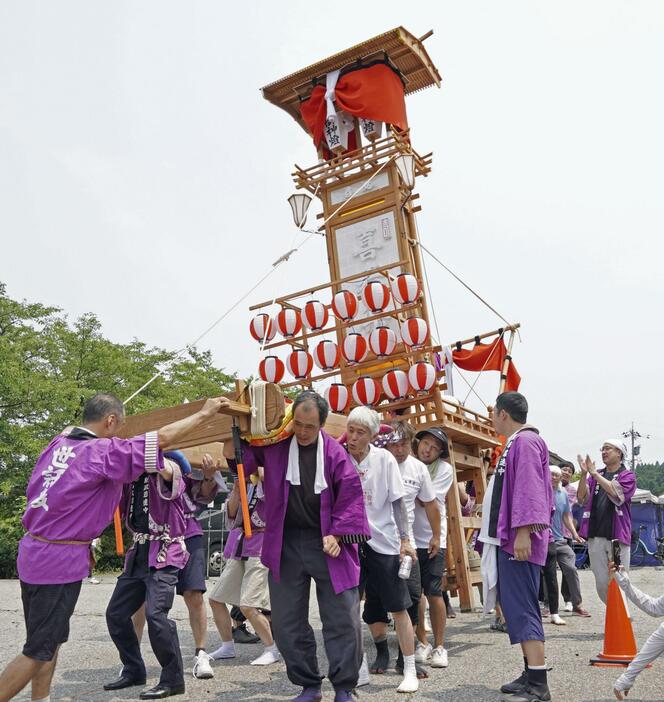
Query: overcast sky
x=144 y=178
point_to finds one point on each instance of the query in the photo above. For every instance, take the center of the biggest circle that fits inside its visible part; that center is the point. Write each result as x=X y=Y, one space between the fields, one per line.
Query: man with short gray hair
x=380 y=557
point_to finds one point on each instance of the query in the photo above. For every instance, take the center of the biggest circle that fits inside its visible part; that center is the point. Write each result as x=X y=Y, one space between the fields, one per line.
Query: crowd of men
x=363 y=517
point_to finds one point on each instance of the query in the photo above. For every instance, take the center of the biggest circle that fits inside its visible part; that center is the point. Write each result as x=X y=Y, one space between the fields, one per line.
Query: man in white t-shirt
x=418 y=486
x=380 y=557
x=432 y=450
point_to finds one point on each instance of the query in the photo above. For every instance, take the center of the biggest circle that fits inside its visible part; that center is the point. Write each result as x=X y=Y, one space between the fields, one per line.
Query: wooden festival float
x=364 y=336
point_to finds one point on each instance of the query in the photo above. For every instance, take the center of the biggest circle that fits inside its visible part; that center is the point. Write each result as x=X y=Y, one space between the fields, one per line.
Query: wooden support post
x=506 y=364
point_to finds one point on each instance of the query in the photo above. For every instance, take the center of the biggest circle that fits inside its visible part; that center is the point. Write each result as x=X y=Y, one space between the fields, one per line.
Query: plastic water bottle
x=405 y=567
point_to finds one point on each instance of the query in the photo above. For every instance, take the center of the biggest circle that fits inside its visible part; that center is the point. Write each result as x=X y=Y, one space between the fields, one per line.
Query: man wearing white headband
x=606 y=496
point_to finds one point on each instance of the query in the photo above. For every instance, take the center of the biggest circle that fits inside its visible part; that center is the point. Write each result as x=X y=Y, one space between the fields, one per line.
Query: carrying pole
x=237 y=445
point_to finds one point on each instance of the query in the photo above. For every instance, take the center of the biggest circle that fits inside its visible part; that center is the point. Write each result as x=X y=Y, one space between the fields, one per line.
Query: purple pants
x=518 y=590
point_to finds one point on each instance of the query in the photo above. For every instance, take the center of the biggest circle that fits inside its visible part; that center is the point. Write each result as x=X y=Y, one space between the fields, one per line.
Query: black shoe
x=516 y=686
x=242 y=636
x=158 y=692
x=533 y=693
x=124 y=681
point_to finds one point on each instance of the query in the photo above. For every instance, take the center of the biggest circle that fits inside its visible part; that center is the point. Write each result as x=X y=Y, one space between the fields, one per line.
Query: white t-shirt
x=442 y=482
x=417 y=484
x=381 y=485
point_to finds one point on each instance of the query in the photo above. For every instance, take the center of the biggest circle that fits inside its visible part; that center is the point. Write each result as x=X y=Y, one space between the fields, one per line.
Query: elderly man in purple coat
x=521 y=509
x=314 y=519
x=71 y=496
x=606 y=496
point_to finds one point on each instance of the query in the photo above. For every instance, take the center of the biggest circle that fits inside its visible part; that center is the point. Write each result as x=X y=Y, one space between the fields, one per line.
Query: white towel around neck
x=293 y=470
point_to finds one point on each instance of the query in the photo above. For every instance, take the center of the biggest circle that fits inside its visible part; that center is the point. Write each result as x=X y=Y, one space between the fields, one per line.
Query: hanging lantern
x=376 y=295
x=299 y=203
x=395 y=384
x=344 y=305
x=337 y=397
x=326 y=355
x=355 y=348
x=414 y=332
x=315 y=315
x=288 y=323
x=299 y=364
x=366 y=391
x=371 y=128
x=422 y=376
x=262 y=328
x=271 y=369
x=405 y=288
x=382 y=341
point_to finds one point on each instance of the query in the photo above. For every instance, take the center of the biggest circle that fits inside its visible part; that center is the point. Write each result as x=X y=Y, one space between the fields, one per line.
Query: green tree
x=50 y=367
x=650 y=476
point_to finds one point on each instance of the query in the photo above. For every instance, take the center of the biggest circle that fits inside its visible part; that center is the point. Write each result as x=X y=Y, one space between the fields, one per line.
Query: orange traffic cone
x=619 y=642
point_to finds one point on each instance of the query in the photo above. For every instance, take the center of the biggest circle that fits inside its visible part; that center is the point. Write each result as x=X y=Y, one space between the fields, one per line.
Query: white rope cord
x=275 y=265
x=465 y=285
x=488 y=358
x=435 y=320
x=257 y=400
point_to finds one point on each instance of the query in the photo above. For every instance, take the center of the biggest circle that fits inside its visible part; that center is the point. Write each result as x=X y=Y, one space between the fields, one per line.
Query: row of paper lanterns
x=395 y=385
x=355 y=348
x=405 y=289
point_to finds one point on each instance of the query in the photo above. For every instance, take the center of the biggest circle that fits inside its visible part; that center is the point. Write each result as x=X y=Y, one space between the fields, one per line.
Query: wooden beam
x=218 y=428
x=495 y=332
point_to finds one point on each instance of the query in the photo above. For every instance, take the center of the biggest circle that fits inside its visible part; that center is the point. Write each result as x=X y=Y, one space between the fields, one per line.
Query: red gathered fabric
x=488 y=357
x=375 y=93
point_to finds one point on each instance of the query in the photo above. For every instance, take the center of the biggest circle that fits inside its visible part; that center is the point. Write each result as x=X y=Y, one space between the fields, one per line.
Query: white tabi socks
x=410 y=683
x=270 y=655
x=226 y=650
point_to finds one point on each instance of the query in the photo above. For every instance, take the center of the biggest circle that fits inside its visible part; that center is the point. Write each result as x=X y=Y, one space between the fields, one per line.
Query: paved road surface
x=480 y=660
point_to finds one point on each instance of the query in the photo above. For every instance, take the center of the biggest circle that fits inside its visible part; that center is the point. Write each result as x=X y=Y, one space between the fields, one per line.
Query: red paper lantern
x=405 y=288
x=366 y=391
x=315 y=315
x=326 y=355
x=354 y=348
x=414 y=332
x=376 y=295
x=262 y=328
x=288 y=323
x=337 y=397
x=422 y=376
x=395 y=384
x=344 y=305
x=382 y=341
x=299 y=364
x=271 y=369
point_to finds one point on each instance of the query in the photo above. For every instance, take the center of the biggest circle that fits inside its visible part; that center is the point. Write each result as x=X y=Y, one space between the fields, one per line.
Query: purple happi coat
x=192 y=504
x=527 y=496
x=625 y=484
x=166 y=520
x=237 y=544
x=342 y=510
x=71 y=496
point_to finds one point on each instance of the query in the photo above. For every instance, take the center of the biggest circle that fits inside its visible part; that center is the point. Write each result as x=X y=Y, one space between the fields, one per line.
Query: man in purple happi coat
x=520 y=517
x=315 y=518
x=72 y=493
x=200 y=488
x=606 y=496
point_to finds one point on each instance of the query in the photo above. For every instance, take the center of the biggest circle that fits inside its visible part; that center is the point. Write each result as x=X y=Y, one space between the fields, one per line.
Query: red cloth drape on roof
x=488 y=357
x=373 y=93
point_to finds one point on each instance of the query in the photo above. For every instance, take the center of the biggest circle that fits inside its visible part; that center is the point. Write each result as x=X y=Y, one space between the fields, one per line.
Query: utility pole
x=633 y=434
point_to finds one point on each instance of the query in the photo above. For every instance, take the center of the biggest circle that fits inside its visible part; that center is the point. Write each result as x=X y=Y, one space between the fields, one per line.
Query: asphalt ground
x=480 y=660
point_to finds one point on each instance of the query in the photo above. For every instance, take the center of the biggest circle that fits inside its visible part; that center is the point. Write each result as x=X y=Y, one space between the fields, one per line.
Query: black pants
x=303 y=560
x=155 y=587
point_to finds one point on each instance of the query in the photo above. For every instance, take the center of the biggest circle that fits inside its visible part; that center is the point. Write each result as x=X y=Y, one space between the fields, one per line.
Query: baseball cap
x=437 y=433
